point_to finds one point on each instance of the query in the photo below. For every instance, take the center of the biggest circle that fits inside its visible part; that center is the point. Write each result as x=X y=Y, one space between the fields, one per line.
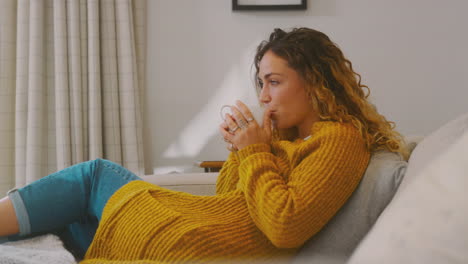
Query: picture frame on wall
x=269 y=4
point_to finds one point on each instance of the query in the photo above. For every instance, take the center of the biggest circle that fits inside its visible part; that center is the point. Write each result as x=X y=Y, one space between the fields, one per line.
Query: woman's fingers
x=231 y=123
x=224 y=125
x=227 y=130
x=239 y=133
x=224 y=133
x=267 y=121
x=239 y=117
x=245 y=111
x=227 y=136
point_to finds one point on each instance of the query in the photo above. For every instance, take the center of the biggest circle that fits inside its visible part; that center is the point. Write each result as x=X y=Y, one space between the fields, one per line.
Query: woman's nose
x=265 y=95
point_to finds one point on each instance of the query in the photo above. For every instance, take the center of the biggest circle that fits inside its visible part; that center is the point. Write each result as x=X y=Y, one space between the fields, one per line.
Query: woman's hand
x=240 y=129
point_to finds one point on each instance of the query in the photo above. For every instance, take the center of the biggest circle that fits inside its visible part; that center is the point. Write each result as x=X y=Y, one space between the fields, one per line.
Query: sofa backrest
x=337 y=240
x=427 y=221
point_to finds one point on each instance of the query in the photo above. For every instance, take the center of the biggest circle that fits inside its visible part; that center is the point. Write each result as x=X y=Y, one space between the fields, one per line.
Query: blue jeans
x=69 y=203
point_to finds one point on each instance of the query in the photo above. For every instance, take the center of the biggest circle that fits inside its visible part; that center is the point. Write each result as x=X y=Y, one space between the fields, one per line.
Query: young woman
x=283 y=181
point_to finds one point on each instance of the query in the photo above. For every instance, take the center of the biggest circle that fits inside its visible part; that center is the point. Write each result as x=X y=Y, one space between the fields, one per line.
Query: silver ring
x=250 y=119
x=234 y=129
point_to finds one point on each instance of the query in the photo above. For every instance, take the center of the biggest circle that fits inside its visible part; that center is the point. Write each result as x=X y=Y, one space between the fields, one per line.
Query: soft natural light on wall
x=236 y=85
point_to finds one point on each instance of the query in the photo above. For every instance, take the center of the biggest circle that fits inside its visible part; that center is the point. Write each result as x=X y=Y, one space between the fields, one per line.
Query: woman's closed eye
x=271 y=82
x=274 y=82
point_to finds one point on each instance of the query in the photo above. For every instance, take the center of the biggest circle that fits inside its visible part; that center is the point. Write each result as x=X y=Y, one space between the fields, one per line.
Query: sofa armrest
x=194 y=183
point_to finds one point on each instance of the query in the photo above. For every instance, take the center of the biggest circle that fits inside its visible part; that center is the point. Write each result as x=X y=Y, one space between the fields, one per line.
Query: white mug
x=256 y=110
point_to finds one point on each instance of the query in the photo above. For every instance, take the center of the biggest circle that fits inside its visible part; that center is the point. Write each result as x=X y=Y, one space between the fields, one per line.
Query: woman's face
x=283 y=91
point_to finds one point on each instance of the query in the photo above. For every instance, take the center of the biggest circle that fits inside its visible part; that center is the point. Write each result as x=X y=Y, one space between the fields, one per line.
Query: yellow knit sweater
x=269 y=201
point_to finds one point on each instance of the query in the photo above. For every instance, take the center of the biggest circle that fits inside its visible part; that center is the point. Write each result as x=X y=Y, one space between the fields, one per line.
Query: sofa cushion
x=427 y=220
x=434 y=144
x=345 y=230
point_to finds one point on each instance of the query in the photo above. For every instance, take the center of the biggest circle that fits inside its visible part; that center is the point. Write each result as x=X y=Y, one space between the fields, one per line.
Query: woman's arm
x=228 y=175
x=291 y=211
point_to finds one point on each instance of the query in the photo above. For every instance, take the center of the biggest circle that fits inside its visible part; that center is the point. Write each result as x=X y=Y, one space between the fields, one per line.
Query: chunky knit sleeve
x=229 y=175
x=324 y=173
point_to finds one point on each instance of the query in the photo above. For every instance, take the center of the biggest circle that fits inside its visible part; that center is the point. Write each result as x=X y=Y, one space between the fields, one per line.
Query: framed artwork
x=269 y=4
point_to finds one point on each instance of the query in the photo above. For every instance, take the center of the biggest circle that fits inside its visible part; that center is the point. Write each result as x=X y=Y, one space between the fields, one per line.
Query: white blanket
x=38 y=250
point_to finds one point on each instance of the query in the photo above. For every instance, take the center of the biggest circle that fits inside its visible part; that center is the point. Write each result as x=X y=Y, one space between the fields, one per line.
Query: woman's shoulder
x=334 y=129
x=337 y=136
x=328 y=136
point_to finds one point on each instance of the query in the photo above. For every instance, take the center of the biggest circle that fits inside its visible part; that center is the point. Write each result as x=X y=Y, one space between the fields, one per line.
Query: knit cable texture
x=270 y=200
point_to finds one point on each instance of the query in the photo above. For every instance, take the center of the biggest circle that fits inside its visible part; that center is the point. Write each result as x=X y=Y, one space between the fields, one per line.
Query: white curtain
x=71 y=85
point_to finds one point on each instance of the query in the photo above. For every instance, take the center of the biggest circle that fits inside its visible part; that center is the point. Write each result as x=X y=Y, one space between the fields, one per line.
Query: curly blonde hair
x=334 y=88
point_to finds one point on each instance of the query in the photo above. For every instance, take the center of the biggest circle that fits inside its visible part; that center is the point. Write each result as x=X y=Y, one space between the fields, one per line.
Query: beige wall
x=412 y=55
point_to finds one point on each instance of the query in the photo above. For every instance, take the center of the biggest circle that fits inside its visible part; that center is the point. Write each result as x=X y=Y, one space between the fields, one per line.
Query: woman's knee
x=99 y=163
x=105 y=167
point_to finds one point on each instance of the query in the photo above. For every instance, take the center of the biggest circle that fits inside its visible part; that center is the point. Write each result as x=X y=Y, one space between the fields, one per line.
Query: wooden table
x=211 y=165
